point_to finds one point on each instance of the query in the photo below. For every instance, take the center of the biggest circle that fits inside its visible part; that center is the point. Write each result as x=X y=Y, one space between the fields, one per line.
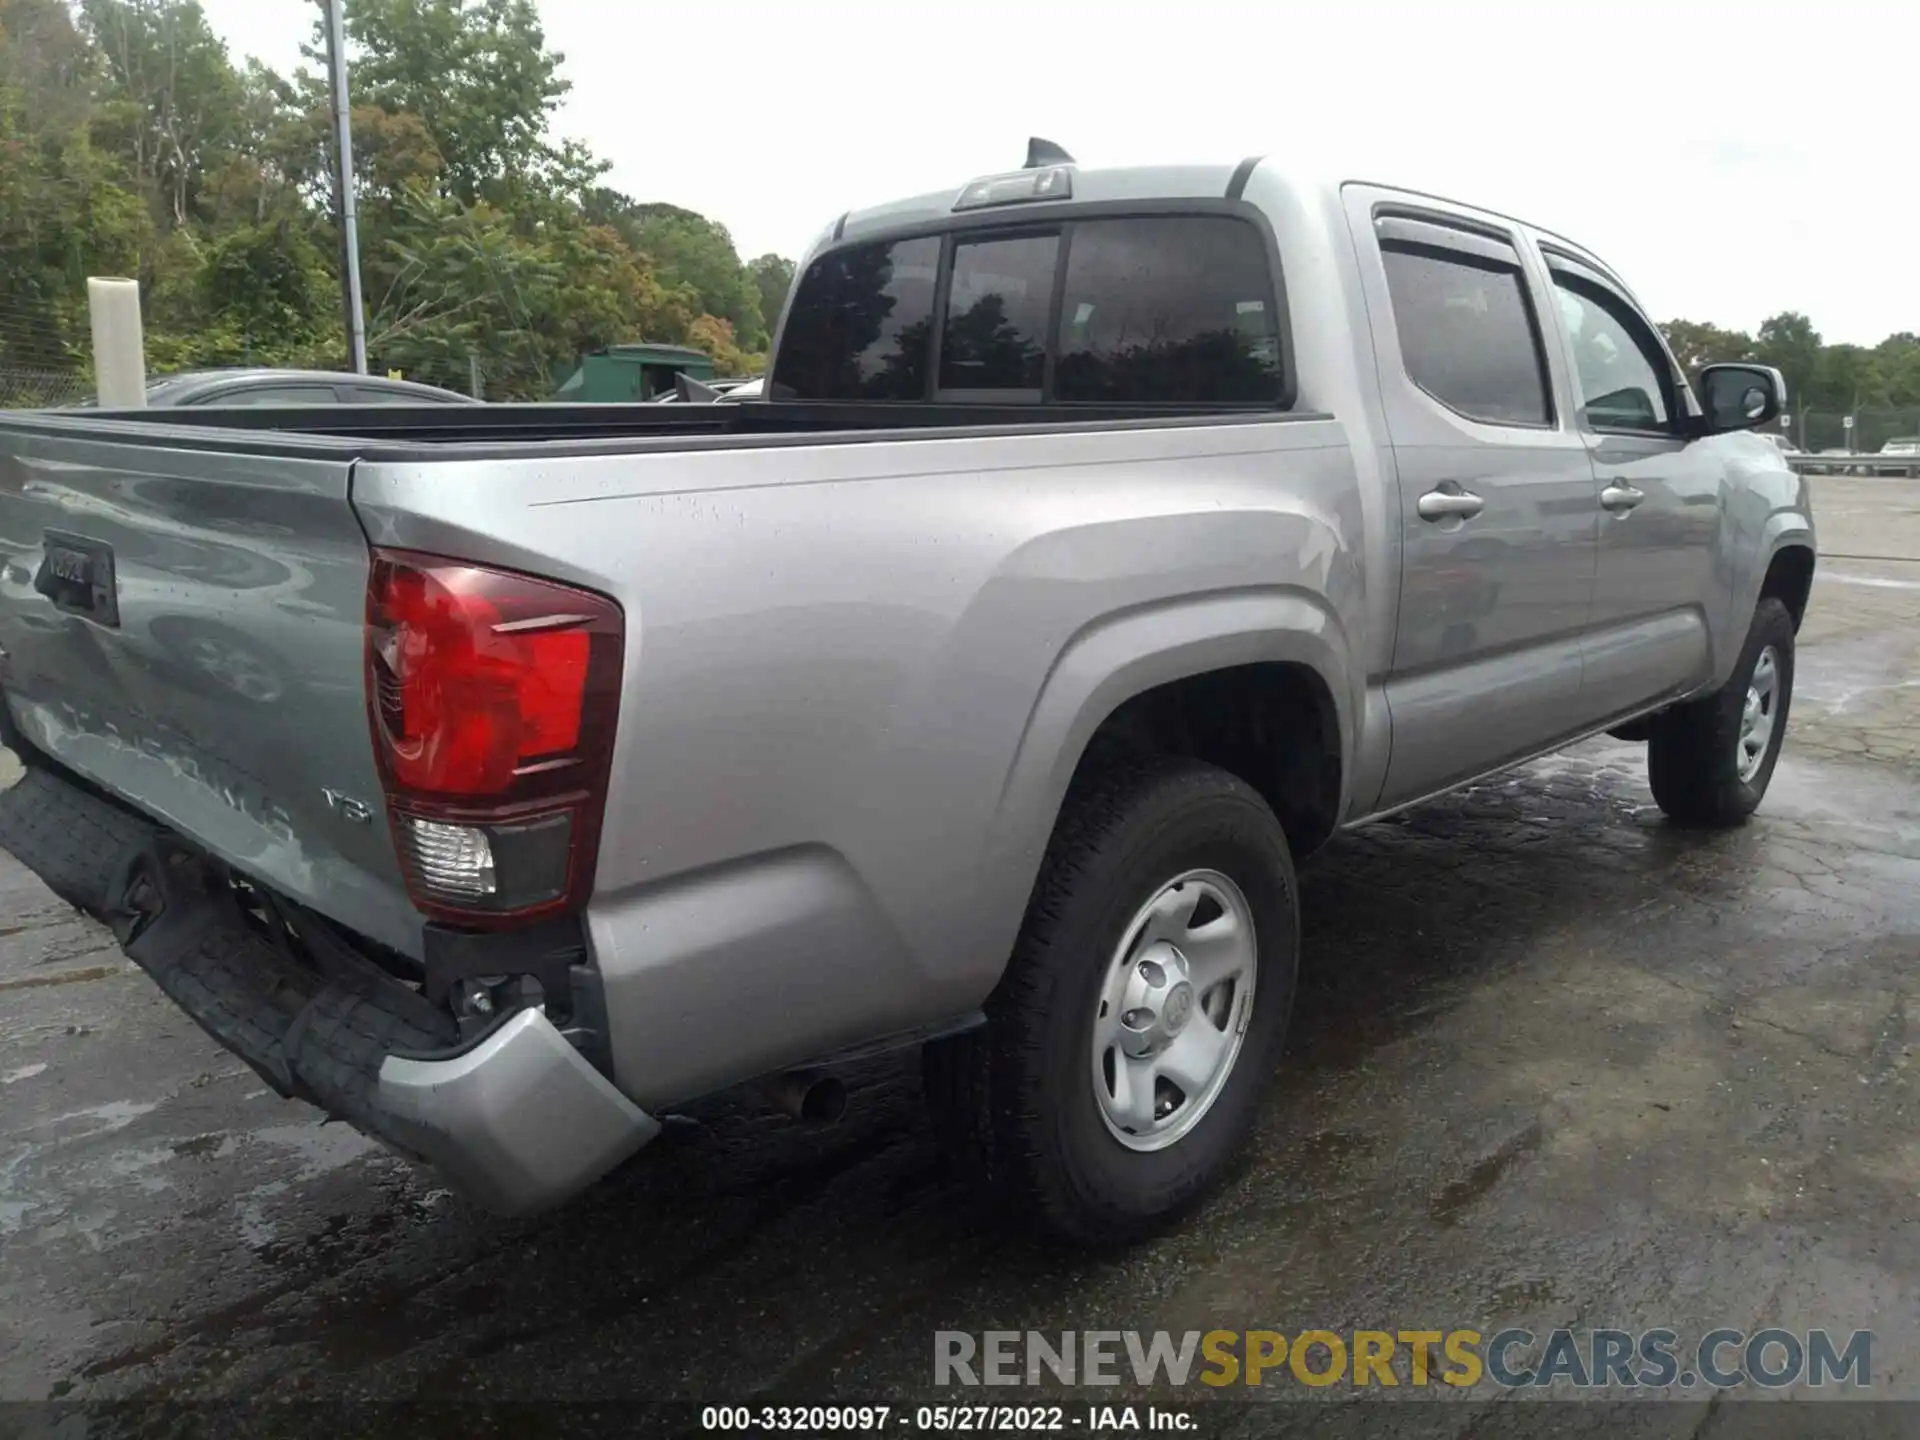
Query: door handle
x=1620 y=497
x=1440 y=504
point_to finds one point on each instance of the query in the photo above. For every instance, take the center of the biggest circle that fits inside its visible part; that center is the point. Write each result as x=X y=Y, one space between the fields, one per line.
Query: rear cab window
x=1159 y=309
x=861 y=324
x=993 y=345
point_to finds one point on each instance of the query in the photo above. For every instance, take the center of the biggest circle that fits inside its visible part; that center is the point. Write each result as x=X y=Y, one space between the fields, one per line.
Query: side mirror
x=1739 y=397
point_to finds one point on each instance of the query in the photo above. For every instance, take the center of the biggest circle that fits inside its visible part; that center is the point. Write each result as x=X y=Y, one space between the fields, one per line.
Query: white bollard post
x=119 y=343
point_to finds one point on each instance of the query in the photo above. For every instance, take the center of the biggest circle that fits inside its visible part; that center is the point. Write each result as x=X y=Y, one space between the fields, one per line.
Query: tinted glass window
x=1617 y=363
x=276 y=395
x=376 y=395
x=1467 y=334
x=996 y=332
x=1175 y=309
x=860 y=324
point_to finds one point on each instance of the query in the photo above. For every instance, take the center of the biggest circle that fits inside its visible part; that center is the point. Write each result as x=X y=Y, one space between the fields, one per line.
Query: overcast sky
x=1693 y=145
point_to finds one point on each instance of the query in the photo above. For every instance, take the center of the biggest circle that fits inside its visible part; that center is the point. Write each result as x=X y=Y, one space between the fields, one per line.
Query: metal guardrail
x=1908 y=465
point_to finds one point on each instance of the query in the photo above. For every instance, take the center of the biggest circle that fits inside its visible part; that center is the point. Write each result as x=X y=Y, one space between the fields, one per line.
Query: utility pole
x=349 y=217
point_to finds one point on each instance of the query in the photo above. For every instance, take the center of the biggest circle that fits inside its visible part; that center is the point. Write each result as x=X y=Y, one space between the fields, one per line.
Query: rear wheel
x=1710 y=761
x=1145 y=1003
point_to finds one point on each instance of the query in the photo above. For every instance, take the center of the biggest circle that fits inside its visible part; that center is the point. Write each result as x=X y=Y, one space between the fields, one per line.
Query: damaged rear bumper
x=517 y=1117
x=521 y=1122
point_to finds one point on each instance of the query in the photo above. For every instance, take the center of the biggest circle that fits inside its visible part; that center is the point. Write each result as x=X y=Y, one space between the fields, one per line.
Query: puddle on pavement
x=202 y=1147
x=1456 y=1198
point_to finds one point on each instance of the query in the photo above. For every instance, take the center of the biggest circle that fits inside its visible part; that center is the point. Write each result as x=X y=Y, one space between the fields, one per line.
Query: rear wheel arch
x=1122 y=686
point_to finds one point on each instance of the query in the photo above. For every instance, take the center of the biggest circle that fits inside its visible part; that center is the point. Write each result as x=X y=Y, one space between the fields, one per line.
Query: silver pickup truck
x=499 y=778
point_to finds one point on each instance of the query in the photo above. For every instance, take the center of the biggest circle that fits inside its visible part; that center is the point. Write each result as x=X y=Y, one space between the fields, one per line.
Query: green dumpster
x=622 y=374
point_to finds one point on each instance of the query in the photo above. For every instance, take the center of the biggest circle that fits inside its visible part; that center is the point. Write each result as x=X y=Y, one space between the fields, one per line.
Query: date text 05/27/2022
x=962 y=1419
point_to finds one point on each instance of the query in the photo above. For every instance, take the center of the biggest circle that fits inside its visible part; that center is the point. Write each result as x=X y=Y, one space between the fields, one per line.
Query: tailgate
x=184 y=626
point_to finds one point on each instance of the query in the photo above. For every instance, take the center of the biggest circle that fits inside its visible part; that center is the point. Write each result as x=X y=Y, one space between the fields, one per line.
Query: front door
x=1497 y=518
x=1659 y=498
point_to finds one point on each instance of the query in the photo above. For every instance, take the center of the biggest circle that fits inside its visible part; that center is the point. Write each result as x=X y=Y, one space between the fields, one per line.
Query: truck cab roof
x=1108 y=185
x=1120 y=185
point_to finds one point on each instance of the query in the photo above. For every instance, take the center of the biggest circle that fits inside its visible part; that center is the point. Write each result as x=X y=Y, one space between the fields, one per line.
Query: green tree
x=480 y=78
x=1846 y=377
x=1898 y=358
x=171 y=101
x=1790 y=344
x=64 y=213
x=773 y=278
x=691 y=250
x=1695 y=344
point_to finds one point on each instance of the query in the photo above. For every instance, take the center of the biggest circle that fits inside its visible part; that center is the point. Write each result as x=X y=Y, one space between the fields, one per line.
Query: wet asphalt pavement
x=1553 y=1064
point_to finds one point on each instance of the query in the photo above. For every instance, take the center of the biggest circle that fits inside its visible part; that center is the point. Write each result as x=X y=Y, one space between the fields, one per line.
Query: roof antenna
x=1042 y=153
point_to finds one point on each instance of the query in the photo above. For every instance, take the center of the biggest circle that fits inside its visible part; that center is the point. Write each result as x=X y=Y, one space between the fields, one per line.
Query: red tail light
x=493 y=697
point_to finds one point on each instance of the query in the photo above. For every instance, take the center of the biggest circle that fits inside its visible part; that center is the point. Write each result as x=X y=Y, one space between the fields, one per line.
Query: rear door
x=1659 y=497
x=1498 y=522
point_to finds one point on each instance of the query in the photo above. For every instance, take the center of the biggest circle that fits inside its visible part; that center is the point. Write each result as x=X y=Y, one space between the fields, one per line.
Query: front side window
x=1617 y=363
x=1467 y=334
x=860 y=324
x=1170 y=309
x=995 y=338
x=377 y=395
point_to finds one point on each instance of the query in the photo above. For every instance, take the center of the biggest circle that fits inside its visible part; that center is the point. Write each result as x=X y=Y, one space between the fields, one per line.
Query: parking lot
x=1554 y=1064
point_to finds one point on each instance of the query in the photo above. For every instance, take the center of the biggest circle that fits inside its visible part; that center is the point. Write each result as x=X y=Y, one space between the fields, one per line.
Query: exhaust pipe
x=808 y=1096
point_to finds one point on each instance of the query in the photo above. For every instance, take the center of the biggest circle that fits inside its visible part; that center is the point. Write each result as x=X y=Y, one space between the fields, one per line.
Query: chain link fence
x=30 y=387
x=35 y=368
x=1818 y=430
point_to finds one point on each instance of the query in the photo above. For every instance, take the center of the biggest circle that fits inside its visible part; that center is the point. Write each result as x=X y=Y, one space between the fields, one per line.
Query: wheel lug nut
x=1152 y=973
x=1137 y=1019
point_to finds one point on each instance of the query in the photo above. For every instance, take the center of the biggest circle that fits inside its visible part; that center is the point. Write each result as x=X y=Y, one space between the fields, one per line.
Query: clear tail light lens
x=493 y=697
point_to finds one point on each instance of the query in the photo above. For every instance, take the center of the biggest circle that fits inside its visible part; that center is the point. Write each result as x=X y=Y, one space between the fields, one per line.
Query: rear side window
x=1467 y=333
x=995 y=338
x=1174 y=309
x=276 y=395
x=860 y=322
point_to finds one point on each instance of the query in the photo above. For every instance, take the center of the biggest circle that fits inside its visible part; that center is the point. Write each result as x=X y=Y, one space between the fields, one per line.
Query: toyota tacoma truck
x=500 y=778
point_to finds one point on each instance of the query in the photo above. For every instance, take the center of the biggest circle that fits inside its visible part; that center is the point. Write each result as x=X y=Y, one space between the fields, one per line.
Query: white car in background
x=727 y=390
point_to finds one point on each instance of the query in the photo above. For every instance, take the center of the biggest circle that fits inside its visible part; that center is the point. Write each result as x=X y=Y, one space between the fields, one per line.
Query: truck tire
x=1145 y=1003
x=1710 y=760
